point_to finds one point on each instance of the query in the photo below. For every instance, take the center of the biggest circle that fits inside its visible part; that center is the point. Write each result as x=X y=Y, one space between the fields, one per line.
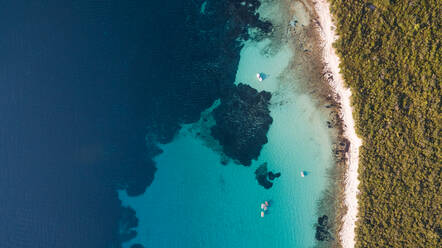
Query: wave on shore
x=343 y=95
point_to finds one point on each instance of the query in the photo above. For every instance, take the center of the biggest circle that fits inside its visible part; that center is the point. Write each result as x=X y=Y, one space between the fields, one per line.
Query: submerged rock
x=265 y=177
x=212 y=42
x=261 y=175
x=323 y=221
x=322 y=229
x=272 y=175
x=242 y=121
x=137 y=246
x=322 y=234
x=127 y=223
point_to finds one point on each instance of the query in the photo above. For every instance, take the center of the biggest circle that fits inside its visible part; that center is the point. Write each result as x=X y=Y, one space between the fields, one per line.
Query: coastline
x=308 y=68
x=293 y=79
x=231 y=191
x=342 y=95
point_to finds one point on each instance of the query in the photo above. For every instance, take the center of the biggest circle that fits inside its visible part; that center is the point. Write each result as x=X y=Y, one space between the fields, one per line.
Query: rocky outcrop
x=242 y=121
x=265 y=177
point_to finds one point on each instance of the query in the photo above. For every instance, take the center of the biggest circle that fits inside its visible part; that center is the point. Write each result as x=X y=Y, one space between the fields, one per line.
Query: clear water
x=195 y=201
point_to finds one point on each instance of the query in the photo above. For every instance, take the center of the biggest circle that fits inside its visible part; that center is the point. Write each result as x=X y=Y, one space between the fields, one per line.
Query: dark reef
x=322 y=229
x=210 y=42
x=272 y=175
x=137 y=246
x=128 y=222
x=265 y=177
x=81 y=96
x=242 y=121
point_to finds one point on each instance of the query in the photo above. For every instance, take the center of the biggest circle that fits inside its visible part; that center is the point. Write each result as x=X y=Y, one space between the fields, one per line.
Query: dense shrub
x=390 y=53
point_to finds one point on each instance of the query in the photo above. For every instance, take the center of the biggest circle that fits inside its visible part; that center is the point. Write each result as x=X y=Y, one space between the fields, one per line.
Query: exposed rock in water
x=322 y=229
x=242 y=121
x=265 y=177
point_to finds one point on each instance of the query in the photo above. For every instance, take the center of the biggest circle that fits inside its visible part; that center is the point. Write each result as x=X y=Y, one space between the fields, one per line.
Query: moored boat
x=264 y=208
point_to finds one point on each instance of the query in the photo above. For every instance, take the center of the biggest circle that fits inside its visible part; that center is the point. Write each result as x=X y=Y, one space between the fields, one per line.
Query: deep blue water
x=81 y=85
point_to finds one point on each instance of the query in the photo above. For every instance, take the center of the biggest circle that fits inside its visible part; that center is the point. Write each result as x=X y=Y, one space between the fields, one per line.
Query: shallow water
x=195 y=201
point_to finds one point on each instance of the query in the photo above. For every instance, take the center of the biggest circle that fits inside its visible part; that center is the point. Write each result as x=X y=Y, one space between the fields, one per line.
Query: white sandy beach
x=343 y=95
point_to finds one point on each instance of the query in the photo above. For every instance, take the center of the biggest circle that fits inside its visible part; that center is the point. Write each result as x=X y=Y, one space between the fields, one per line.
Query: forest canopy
x=390 y=53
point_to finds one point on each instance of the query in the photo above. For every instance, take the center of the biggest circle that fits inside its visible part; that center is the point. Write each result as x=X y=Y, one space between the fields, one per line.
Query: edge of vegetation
x=390 y=58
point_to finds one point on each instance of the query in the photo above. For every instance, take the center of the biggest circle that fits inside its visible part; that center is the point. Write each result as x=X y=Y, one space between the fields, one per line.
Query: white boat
x=259 y=77
x=264 y=208
x=302 y=174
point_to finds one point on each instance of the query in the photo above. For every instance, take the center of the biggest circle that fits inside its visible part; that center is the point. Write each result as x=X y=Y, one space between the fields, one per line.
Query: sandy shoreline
x=312 y=38
x=343 y=96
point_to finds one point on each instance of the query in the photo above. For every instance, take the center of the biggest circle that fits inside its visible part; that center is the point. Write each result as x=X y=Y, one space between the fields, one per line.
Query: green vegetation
x=390 y=53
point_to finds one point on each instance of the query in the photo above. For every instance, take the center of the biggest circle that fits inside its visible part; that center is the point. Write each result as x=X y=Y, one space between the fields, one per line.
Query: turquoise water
x=195 y=201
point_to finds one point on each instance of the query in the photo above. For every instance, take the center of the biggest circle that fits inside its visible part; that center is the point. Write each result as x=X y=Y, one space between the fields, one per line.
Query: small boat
x=302 y=174
x=261 y=76
x=264 y=208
